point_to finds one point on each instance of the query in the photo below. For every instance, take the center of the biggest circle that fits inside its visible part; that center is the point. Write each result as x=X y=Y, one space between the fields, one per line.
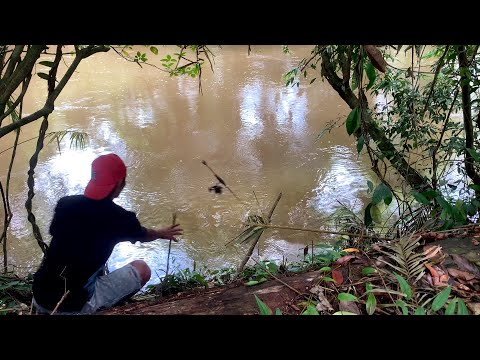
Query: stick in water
x=170 y=244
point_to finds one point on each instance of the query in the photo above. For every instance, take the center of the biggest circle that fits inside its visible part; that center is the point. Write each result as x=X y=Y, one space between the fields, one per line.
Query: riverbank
x=427 y=273
x=430 y=273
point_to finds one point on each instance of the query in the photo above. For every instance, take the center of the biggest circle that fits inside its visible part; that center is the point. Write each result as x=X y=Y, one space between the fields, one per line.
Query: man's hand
x=170 y=232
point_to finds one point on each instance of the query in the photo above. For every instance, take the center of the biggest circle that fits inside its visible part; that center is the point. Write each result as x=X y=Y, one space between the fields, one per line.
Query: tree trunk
x=342 y=87
x=234 y=299
x=467 y=115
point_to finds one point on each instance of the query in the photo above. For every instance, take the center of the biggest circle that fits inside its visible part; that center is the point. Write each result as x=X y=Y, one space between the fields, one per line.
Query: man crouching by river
x=85 y=228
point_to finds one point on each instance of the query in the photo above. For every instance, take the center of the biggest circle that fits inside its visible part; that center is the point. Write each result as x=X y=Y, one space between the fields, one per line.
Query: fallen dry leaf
x=432 y=270
x=461 y=274
x=338 y=277
x=460 y=286
x=474 y=307
x=344 y=259
x=323 y=305
x=438 y=276
x=434 y=253
x=350 y=306
x=380 y=262
x=428 y=277
x=465 y=264
x=349 y=250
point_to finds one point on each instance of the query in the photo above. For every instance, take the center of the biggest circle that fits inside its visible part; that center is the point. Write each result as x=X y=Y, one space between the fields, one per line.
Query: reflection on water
x=257 y=134
x=342 y=173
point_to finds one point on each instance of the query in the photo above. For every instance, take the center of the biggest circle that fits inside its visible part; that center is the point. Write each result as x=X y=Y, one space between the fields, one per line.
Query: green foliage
x=368 y=271
x=46 y=63
x=180 y=281
x=258 y=273
x=78 y=139
x=382 y=192
x=360 y=143
x=371 y=304
x=404 y=287
x=310 y=310
x=15 y=292
x=264 y=309
x=353 y=121
x=370 y=70
x=43 y=76
x=440 y=300
x=346 y=297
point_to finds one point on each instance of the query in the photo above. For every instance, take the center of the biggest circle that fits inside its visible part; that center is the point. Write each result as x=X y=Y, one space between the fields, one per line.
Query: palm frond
x=345 y=220
x=417 y=220
x=406 y=260
x=251 y=231
x=78 y=139
x=14 y=115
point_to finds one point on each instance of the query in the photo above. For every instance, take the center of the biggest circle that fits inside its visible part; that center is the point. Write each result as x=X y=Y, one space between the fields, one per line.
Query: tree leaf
x=462 y=309
x=420 y=311
x=368 y=216
x=360 y=143
x=278 y=311
x=311 y=310
x=326 y=278
x=371 y=75
x=343 y=313
x=46 y=63
x=451 y=307
x=474 y=154
x=252 y=282
x=370 y=185
x=445 y=204
x=326 y=268
x=346 y=297
x=382 y=192
x=441 y=298
x=338 y=277
x=353 y=121
x=420 y=198
x=371 y=304
x=404 y=287
x=154 y=50
x=376 y=214
x=368 y=271
x=403 y=306
x=43 y=76
x=264 y=309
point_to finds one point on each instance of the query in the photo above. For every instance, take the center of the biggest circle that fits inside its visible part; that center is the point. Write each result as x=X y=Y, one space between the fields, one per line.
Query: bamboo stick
x=315 y=230
x=257 y=237
x=174 y=216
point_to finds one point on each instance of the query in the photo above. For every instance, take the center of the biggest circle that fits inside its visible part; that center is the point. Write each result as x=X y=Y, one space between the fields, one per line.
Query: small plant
x=183 y=280
x=264 y=309
x=258 y=273
x=15 y=292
